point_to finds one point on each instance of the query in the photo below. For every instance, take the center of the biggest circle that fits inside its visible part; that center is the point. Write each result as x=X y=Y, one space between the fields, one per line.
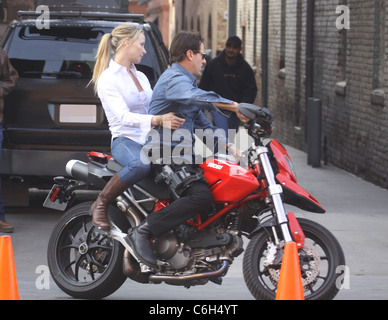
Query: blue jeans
x=2 y=216
x=131 y=156
x=225 y=123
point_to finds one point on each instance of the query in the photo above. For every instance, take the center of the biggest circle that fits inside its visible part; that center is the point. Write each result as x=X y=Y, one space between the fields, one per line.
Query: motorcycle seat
x=158 y=190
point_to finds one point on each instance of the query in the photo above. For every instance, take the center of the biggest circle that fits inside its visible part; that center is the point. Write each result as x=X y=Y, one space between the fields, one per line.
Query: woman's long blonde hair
x=115 y=39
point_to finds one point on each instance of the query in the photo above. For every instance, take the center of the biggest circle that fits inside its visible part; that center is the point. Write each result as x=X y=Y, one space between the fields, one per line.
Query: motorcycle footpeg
x=102 y=229
x=145 y=268
x=117 y=234
x=161 y=263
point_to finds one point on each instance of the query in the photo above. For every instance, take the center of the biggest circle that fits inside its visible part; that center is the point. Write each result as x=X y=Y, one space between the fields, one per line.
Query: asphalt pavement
x=357 y=214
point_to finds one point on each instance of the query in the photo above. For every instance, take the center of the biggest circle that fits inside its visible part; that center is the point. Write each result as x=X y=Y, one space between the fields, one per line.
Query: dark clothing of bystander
x=235 y=82
x=8 y=77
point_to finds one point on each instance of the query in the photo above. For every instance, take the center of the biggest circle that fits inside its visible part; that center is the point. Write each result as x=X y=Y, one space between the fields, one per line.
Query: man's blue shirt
x=176 y=91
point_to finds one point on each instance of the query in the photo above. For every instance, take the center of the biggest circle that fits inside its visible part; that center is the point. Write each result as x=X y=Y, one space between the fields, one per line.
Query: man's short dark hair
x=235 y=41
x=182 y=42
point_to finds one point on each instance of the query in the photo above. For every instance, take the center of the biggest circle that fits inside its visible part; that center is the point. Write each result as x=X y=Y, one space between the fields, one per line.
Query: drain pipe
x=313 y=106
x=310 y=49
x=264 y=54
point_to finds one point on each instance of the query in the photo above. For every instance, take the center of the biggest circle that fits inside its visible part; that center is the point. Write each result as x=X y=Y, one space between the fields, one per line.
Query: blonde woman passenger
x=125 y=94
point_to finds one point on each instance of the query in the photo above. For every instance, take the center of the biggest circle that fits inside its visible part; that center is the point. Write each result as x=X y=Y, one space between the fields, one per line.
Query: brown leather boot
x=99 y=209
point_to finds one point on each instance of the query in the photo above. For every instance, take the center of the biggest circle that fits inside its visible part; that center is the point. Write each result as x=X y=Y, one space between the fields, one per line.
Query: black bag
x=178 y=177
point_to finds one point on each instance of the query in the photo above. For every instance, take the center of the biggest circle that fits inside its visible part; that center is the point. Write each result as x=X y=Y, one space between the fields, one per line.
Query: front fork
x=275 y=190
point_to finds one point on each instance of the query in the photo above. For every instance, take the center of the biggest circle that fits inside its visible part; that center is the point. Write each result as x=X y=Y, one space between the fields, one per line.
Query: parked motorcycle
x=86 y=262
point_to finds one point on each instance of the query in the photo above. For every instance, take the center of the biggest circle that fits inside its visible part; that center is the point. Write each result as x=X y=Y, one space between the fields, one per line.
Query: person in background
x=8 y=77
x=231 y=77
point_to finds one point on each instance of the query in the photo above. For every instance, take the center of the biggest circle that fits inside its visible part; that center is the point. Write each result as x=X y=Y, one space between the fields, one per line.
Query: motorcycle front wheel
x=319 y=261
x=84 y=262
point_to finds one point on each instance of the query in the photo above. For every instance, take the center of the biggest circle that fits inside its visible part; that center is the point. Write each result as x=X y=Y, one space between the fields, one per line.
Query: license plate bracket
x=57 y=198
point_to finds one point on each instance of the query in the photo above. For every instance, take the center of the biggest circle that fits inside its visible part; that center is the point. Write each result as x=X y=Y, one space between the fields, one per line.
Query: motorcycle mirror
x=248 y=110
x=259 y=115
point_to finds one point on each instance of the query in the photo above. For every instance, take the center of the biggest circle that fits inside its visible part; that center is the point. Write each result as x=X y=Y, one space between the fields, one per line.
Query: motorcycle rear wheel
x=262 y=281
x=83 y=261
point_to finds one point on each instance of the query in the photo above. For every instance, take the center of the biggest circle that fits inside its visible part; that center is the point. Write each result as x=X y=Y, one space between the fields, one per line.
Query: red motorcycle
x=248 y=202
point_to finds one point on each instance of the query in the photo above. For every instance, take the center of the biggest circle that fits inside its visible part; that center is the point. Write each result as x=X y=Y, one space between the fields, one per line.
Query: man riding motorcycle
x=176 y=91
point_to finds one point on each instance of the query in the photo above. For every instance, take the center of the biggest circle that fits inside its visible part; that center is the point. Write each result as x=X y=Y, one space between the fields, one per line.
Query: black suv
x=52 y=115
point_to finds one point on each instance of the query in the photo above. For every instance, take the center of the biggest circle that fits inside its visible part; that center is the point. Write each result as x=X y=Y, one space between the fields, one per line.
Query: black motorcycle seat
x=158 y=190
x=113 y=165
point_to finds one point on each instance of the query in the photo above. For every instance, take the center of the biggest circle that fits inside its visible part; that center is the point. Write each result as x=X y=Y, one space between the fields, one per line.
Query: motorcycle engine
x=169 y=249
x=189 y=250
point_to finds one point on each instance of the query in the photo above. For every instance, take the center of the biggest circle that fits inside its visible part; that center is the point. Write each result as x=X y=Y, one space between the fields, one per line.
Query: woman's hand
x=234 y=151
x=168 y=120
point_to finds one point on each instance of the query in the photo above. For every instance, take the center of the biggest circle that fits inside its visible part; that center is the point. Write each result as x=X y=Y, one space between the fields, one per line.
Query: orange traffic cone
x=290 y=285
x=8 y=284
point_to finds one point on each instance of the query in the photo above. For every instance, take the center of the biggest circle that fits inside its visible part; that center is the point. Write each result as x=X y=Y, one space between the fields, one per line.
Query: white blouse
x=125 y=107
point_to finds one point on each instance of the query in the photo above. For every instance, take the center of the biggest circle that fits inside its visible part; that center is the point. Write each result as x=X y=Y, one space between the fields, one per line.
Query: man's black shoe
x=139 y=239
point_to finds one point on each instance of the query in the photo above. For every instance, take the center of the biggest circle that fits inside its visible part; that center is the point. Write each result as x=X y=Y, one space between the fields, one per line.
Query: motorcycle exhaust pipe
x=89 y=172
x=129 y=265
x=131 y=269
x=181 y=279
x=77 y=169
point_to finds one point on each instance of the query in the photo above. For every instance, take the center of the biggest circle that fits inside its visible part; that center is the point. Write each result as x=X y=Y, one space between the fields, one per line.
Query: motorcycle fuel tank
x=228 y=181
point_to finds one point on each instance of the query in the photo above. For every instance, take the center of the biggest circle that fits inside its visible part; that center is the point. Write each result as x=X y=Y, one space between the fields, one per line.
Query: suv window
x=55 y=52
x=52 y=115
x=62 y=52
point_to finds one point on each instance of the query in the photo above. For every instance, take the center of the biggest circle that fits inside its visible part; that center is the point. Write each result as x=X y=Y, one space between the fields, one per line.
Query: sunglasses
x=204 y=54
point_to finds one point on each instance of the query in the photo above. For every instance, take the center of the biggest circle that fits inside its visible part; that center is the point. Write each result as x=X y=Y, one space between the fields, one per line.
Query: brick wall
x=350 y=78
x=206 y=17
x=249 y=30
x=350 y=73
